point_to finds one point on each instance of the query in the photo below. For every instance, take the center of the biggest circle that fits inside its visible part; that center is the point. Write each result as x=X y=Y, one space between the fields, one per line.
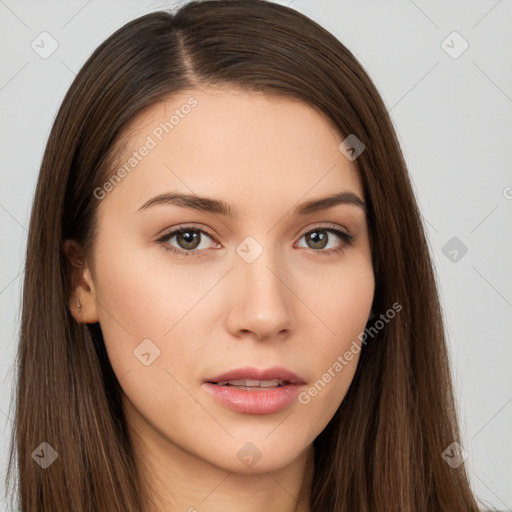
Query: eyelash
x=164 y=240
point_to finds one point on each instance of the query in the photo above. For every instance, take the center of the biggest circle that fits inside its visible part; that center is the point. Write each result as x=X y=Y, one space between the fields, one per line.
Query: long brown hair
x=382 y=450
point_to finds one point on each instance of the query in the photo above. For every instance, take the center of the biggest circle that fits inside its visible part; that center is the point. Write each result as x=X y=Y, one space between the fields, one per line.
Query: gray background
x=454 y=120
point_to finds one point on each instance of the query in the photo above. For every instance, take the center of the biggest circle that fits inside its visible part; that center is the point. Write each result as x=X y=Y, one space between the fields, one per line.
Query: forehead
x=245 y=147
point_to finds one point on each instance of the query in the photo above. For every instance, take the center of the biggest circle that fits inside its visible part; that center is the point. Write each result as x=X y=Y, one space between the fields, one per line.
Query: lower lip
x=258 y=401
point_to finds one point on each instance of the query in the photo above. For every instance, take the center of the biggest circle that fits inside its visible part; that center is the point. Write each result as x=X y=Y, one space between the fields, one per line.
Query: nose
x=262 y=299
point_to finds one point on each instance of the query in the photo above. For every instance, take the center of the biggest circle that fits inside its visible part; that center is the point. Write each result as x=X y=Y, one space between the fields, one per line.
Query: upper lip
x=252 y=373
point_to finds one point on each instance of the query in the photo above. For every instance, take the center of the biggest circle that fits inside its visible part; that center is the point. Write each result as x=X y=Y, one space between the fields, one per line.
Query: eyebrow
x=216 y=206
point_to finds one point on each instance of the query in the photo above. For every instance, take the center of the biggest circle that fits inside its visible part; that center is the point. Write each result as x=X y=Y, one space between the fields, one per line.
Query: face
x=229 y=320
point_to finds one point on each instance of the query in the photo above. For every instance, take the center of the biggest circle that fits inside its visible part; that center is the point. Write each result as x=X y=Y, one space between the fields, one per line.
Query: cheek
x=142 y=296
x=341 y=307
x=340 y=296
x=147 y=335
x=139 y=294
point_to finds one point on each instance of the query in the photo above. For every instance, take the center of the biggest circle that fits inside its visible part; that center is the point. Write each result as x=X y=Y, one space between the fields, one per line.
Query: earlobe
x=82 y=302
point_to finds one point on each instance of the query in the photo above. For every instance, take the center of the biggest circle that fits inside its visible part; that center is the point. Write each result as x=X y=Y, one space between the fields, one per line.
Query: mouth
x=253 y=385
x=253 y=391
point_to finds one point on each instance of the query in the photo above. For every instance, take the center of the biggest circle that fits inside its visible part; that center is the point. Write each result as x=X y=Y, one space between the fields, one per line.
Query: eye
x=323 y=239
x=186 y=240
x=193 y=241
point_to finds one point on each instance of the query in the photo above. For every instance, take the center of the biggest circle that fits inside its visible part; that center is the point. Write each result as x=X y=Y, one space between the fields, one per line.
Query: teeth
x=253 y=383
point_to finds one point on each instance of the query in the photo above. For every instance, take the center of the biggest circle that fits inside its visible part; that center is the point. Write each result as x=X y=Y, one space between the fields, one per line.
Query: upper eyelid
x=173 y=231
x=327 y=226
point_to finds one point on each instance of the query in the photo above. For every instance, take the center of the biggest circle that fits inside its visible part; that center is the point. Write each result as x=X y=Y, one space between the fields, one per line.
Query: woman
x=228 y=291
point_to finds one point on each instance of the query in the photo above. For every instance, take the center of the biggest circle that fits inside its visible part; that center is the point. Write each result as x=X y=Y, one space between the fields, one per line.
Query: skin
x=294 y=306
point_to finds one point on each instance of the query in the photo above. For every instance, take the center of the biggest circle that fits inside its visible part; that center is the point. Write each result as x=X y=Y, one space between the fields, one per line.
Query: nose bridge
x=262 y=303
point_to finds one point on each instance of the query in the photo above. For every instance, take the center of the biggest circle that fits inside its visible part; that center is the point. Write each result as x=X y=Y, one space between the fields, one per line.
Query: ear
x=82 y=303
